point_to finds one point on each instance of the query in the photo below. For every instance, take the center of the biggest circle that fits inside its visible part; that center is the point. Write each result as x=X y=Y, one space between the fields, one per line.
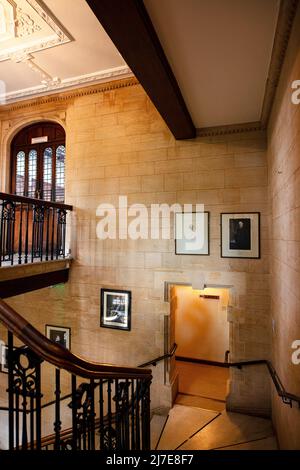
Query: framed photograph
x=115 y=309
x=240 y=235
x=60 y=335
x=192 y=233
x=4 y=358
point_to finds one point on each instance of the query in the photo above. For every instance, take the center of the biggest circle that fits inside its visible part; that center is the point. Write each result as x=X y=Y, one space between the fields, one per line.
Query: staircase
x=192 y=428
x=105 y=407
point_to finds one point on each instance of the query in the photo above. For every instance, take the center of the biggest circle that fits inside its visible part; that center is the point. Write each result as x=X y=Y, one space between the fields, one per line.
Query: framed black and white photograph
x=115 y=309
x=240 y=235
x=192 y=233
x=4 y=358
x=60 y=335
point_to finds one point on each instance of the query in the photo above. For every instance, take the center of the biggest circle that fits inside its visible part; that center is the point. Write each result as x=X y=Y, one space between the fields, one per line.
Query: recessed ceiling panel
x=47 y=46
x=220 y=53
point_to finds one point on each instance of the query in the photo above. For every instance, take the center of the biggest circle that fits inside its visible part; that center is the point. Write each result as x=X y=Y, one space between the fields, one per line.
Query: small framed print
x=4 y=358
x=192 y=233
x=115 y=309
x=60 y=335
x=240 y=235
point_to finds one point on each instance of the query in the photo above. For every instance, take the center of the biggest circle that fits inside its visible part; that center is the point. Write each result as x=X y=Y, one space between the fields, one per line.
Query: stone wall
x=284 y=170
x=117 y=144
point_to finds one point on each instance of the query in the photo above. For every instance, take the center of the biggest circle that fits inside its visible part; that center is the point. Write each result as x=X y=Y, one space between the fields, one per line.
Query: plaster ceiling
x=52 y=45
x=220 y=52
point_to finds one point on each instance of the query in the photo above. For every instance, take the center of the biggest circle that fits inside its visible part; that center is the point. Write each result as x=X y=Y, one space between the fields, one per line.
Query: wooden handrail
x=59 y=356
x=36 y=202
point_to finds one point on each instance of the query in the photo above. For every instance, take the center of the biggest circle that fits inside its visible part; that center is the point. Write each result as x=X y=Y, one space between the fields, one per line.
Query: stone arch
x=10 y=129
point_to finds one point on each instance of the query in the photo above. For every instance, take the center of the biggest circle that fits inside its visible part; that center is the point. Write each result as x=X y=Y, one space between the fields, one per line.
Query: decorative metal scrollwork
x=109 y=438
x=82 y=401
x=38 y=215
x=122 y=395
x=25 y=364
x=7 y=231
x=62 y=217
x=8 y=211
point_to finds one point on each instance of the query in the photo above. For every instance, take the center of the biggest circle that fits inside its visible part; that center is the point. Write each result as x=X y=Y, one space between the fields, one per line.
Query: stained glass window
x=20 y=174
x=39 y=167
x=32 y=173
x=47 y=176
x=60 y=173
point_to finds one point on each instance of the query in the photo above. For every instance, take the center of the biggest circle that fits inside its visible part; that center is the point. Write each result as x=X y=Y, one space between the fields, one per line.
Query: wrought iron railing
x=31 y=230
x=109 y=406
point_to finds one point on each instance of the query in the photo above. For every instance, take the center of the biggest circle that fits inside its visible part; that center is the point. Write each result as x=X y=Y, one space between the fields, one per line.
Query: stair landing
x=191 y=428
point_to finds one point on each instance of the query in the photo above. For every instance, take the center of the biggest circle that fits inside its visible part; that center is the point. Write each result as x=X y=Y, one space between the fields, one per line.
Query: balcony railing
x=31 y=230
x=108 y=409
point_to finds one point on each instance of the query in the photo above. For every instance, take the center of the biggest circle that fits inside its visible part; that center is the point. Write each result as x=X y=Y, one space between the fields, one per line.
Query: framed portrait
x=115 y=309
x=4 y=358
x=192 y=233
x=240 y=235
x=60 y=335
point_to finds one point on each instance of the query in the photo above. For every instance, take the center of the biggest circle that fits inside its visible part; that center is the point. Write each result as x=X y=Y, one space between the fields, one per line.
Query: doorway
x=202 y=338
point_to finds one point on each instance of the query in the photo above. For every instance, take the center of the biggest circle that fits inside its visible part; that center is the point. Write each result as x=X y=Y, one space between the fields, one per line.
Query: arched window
x=38 y=155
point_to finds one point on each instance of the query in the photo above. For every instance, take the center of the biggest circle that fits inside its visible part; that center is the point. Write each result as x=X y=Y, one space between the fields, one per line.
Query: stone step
x=157 y=425
x=230 y=429
x=183 y=422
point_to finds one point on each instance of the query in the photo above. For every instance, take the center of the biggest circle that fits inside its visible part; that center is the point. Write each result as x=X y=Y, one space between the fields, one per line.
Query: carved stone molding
x=54 y=84
x=31 y=21
x=68 y=96
x=230 y=129
x=25 y=25
x=285 y=22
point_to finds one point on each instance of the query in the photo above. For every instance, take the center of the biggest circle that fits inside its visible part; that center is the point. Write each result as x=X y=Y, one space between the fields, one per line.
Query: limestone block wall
x=117 y=144
x=284 y=161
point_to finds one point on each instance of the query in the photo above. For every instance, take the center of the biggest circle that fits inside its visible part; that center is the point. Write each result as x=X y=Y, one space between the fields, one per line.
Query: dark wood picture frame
x=121 y=320
x=208 y=236
x=60 y=329
x=257 y=244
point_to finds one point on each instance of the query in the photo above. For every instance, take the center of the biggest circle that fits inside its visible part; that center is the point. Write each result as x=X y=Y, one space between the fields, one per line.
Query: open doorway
x=202 y=338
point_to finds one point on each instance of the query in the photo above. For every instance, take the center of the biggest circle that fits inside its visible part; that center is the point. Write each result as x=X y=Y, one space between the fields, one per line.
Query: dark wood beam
x=22 y=285
x=130 y=28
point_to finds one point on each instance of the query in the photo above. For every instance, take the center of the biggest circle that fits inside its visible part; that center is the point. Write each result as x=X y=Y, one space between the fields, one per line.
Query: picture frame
x=4 y=358
x=115 y=309
x=184 y=246
x=59 y=334
x=240 y=235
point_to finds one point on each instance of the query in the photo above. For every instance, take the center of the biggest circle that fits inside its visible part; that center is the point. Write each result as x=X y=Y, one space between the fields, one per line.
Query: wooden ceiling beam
x=130 y=28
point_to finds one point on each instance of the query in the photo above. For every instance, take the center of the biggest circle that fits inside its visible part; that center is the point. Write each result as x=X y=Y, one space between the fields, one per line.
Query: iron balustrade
x=109 y=407
x=31 y=230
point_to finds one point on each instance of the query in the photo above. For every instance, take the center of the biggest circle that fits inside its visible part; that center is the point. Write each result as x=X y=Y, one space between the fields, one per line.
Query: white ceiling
x=81 y=52
x=220 y=53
